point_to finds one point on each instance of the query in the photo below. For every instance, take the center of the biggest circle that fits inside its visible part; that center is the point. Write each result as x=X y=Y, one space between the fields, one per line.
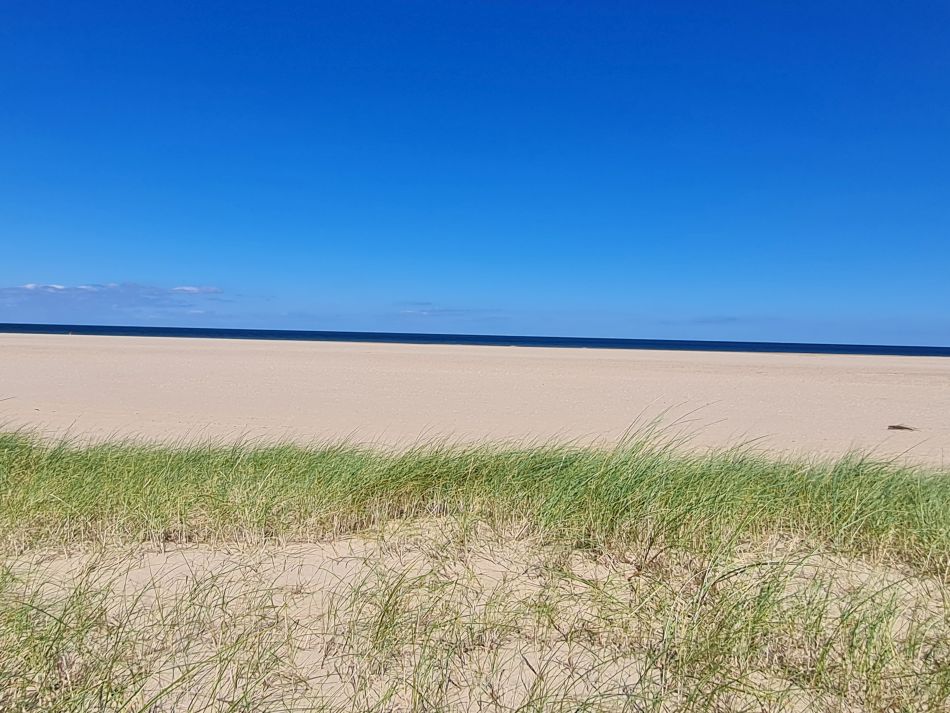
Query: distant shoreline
x=686 y=345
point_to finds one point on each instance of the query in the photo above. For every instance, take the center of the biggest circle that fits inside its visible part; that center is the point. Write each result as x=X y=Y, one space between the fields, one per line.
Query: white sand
x=167 y=389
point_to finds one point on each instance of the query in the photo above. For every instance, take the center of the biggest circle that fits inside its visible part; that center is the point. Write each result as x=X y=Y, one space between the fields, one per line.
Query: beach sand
x=389 y=394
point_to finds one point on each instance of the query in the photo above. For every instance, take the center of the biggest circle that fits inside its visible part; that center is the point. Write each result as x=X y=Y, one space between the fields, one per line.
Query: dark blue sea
x=476 y=339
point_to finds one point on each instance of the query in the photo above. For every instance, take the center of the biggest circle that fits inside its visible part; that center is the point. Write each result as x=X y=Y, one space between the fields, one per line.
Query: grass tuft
x=601 y=499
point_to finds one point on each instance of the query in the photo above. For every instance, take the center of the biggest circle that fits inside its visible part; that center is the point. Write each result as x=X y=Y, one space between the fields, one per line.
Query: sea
x=499 y=340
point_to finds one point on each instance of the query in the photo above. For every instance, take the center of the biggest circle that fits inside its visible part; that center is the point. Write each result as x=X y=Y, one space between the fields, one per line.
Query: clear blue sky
x=710 y=170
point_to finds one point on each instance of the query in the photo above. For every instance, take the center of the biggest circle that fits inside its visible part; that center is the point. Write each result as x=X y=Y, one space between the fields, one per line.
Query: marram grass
x=638 y=492
x=635 y=578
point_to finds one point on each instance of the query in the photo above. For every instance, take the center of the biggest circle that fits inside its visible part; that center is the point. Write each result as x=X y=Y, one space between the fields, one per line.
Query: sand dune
x=158 y=388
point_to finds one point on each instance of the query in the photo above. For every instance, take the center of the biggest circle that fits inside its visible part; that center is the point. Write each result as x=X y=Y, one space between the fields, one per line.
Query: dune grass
x=637 y=492
x=447 y=619
x=543 y=578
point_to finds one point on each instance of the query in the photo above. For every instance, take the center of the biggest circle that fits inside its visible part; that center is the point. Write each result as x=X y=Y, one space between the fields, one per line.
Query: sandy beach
x=174 y=389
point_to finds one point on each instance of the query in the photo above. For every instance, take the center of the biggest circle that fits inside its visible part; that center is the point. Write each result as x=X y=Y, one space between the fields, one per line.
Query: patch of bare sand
x=173 y=389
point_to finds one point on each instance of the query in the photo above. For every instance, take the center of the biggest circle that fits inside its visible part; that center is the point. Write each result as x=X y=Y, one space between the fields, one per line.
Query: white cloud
x=191 y=290
x=34 y=287
x=108 y=303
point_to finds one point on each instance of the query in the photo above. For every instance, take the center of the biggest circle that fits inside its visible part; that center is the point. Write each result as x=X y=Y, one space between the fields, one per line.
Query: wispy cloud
x=111 y=302
x=415 y=303
x=462 y=312
x=191 y=290
x=715 y=320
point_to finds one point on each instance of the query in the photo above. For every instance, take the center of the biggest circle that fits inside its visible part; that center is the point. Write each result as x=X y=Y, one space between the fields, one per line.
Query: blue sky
x=737 y=170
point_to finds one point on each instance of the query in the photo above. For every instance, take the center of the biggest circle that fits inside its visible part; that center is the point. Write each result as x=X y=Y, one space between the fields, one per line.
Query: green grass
x=545 y=578
x=634 y=494
x=446 y=619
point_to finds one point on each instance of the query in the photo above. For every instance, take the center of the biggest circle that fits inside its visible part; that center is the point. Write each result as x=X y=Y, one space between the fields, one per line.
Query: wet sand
x=192 y=389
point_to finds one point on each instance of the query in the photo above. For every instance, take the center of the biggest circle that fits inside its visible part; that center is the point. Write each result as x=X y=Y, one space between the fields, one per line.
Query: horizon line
x=317 y=335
